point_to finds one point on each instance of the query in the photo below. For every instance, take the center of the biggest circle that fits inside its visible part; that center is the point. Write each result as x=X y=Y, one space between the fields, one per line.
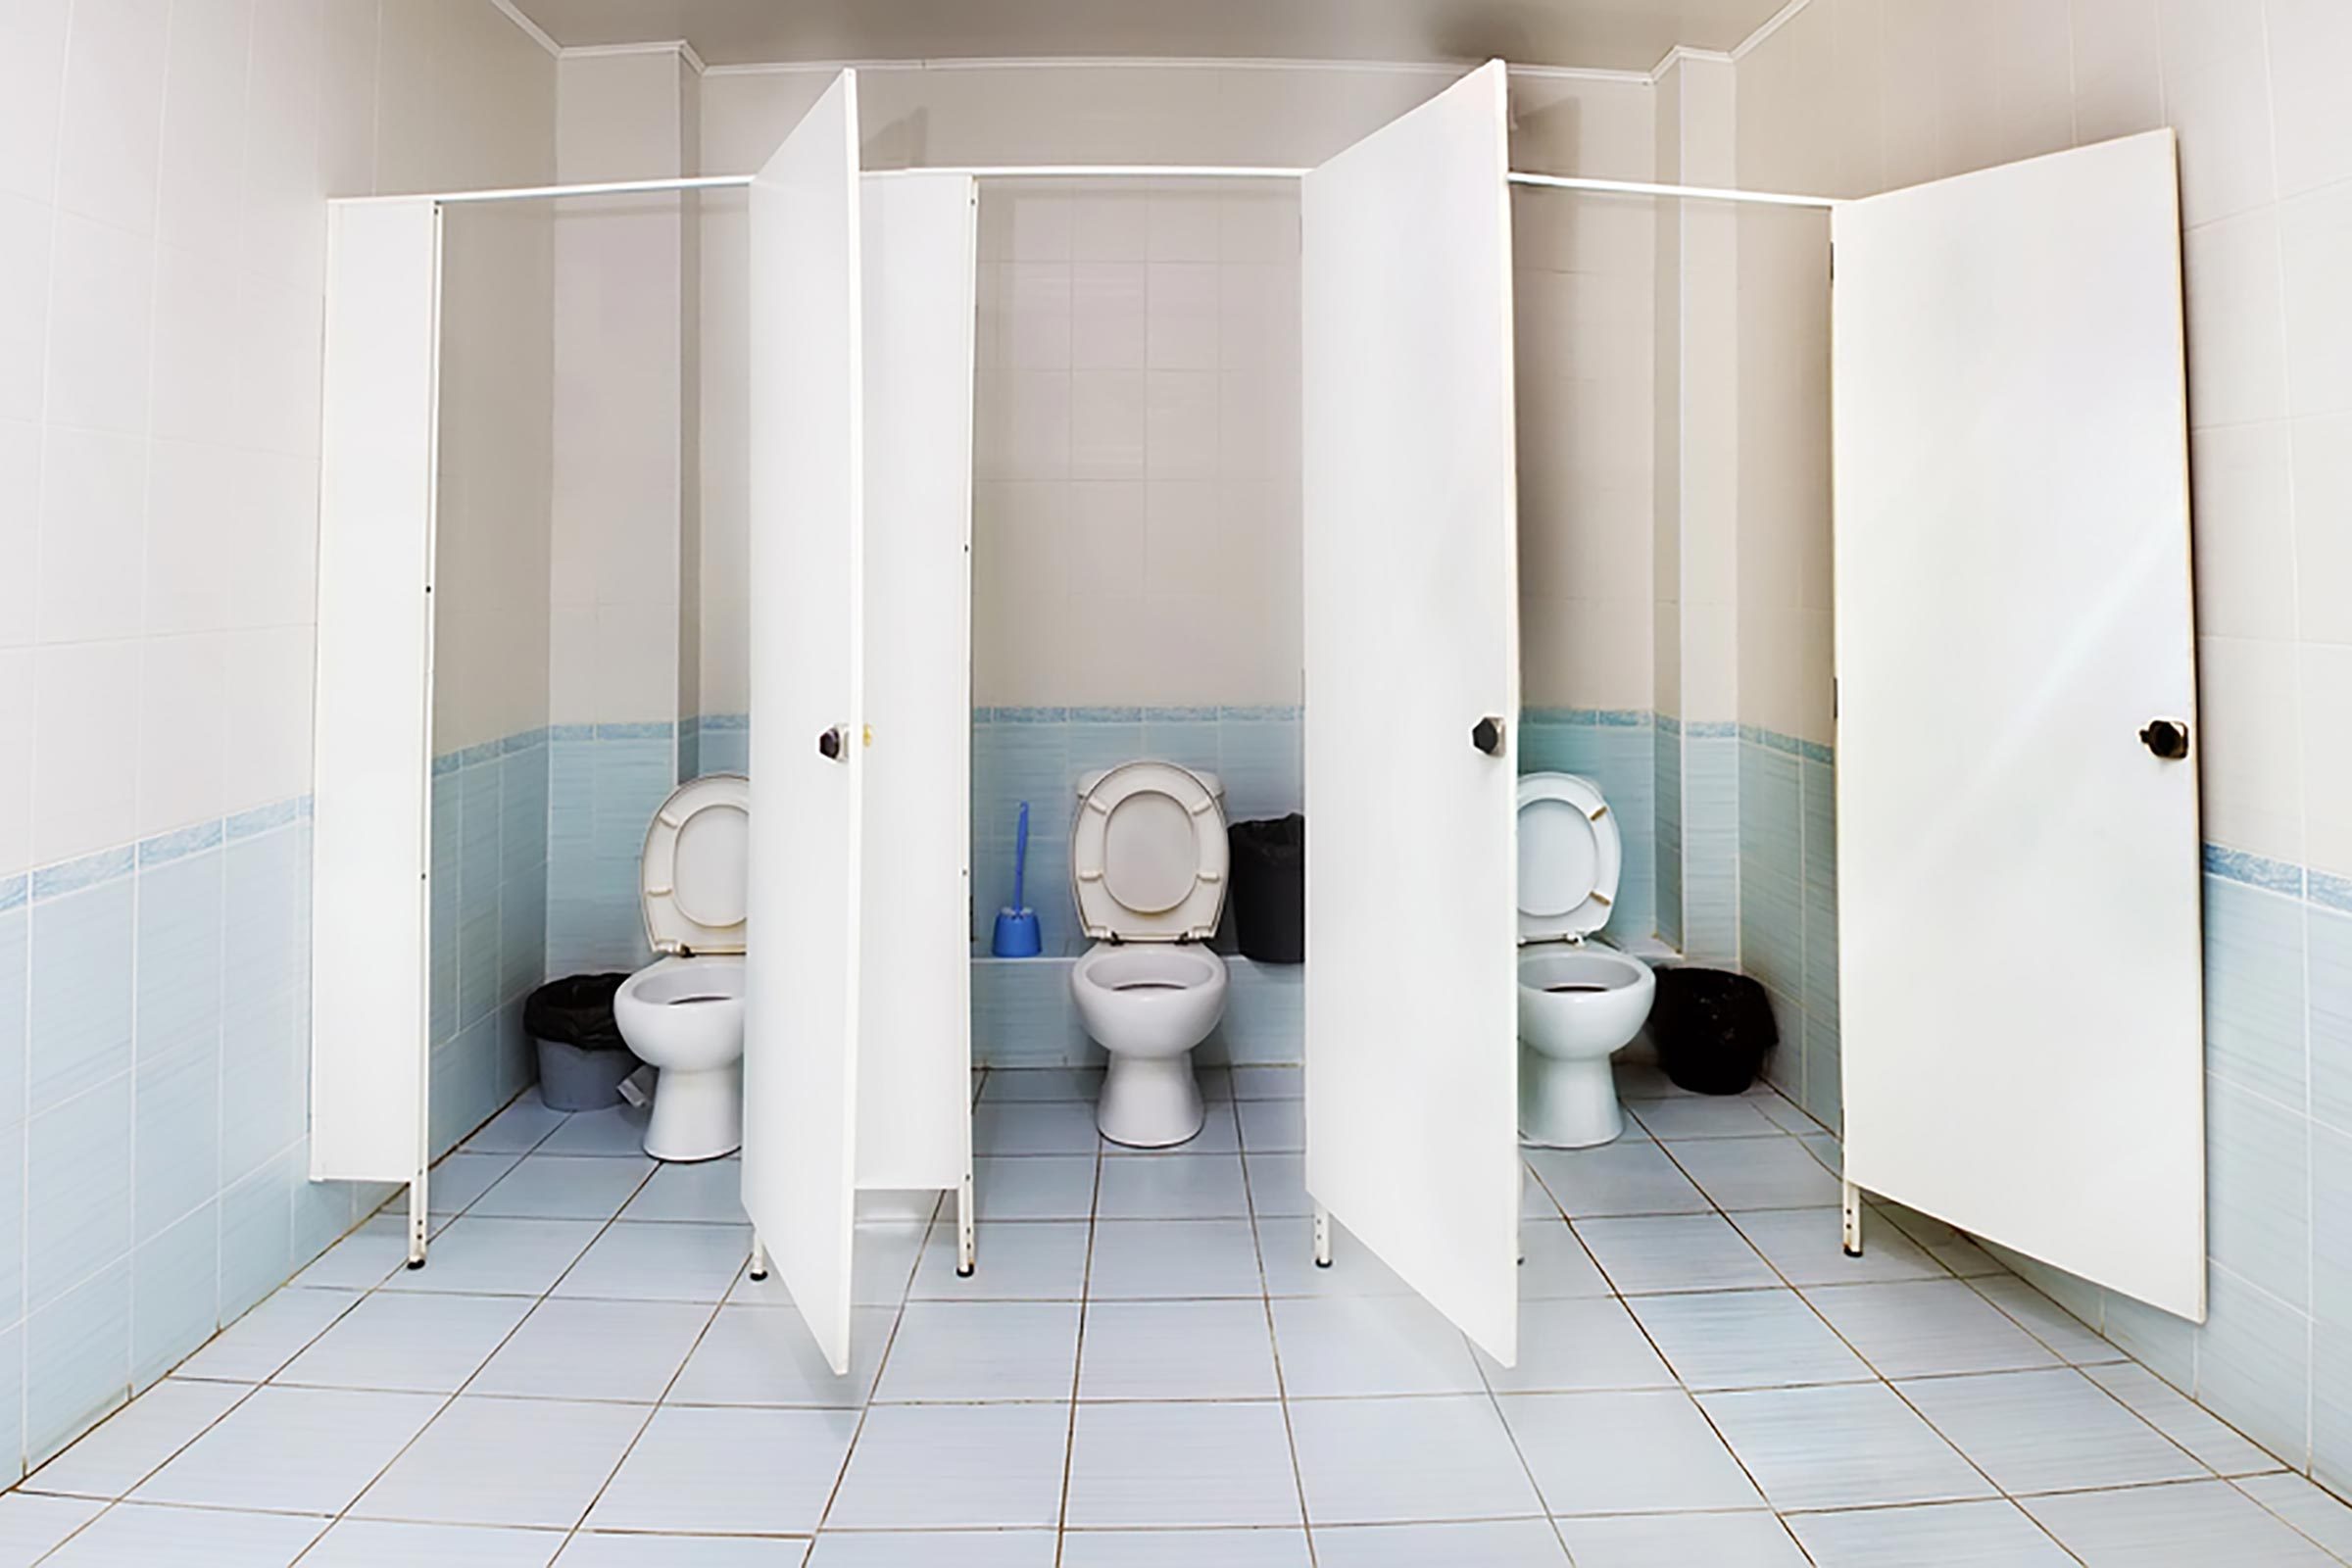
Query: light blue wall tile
x=2332 y=1236
x=12 y=1403
x=442 y=915
x=2332 y=1406
x=77 y=1190
x=1667 y=775
x=263 y=1049
x=2328 y=935
x=1022 y=1016
x=177 y=1133
x=12 y=1223
x=1712 y=846
x=82 y=990
x=176 y=1076
x=522 y=811
x=15 y=986
x=2258 y=1181
x=257 y=1236
x=174 y=1279
x=2254 y=1365
x=1260 y=764
x=2164 y=1345
x=325 y=1210
x=2254 y=989
x=77 y=1361
x=1265 y=1013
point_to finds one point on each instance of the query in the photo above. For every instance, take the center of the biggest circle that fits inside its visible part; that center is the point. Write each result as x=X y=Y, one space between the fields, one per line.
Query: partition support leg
x=759 y=1259
x=966 y=1244
x=417 y=1219
x=1322 y=1237
x=1851 y=1201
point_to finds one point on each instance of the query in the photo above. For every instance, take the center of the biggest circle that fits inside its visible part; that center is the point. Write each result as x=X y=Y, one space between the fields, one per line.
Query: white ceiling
x=1614 y=34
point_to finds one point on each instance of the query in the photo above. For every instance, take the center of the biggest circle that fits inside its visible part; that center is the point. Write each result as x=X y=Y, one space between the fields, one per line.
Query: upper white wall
x=1137 y=518
x=162 y=174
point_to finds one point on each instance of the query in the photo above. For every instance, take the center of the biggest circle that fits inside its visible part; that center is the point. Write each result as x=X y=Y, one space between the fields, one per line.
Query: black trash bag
x=575 y=1011
x=1712 y=1029
x=1269 y=888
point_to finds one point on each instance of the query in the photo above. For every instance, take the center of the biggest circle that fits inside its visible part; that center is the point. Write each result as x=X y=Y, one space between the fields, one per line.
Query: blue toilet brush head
x=1016 y=925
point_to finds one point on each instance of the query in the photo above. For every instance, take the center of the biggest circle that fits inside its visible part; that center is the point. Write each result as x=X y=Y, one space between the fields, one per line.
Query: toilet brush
x=1016 y=925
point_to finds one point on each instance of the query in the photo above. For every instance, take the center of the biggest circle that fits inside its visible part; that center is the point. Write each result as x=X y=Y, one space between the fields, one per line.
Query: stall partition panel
x=914 y=1023
x=800 y=1111
x=371 y=772
x=2020 y=964
x=1412 y=676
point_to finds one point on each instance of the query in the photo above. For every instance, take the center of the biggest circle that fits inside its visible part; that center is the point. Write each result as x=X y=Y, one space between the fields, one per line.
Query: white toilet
x=683 y=1013
x=1147 y=860
x=1579 y=1000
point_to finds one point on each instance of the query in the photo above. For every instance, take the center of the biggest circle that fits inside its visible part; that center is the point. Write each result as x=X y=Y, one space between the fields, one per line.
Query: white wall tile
x=100 y=292
x=182 y=724
x=1036 y=328
x=2217 y=96
x=25 y=230
x=92 y=536
x=85 y=748
x=1186 y=225
x=267 y=752
x=1107 y=322
x=2253 y=754
x=2118 y=72
x=1182 y=314
x=2238 y=349
x=2244 y=530
x=110 y=130
x=33 y=78
x=2310 y=42
x=1181 y=425
x=16 y=734
x=194 y=493
x=1106 y=425
x=2315 y=237
x=2326 y=693
x=201 y=186
x=198 y=343
x=2322 y=527
x=1109 y=226
x=20 y=528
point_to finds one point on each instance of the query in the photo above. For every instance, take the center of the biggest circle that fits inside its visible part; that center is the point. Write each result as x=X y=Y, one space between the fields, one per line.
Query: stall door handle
x=834 y=743
x=1486 y=735
x=2168 y=738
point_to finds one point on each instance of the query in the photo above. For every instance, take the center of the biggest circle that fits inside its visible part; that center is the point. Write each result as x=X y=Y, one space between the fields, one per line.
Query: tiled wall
x=1710 y=869
x=488 y=927
x=1788 y=909
x=1616 y=748
x=605 y=783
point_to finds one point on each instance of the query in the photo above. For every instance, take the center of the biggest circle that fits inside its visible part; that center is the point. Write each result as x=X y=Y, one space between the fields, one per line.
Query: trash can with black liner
x=582 y=1058
x=1712 y=1029
x=1269 y=888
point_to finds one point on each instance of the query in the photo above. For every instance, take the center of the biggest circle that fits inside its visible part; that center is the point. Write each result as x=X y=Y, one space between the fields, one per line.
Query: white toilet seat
x=1147 y=854
x=694 y=872
x=1570 y=855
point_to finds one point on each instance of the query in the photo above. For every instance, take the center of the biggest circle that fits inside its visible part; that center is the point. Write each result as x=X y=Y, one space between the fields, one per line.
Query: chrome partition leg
x=1322 y=1237
x=1851 y=1199
x=759 y=1259
x=417 y=1219
x=966 y=1244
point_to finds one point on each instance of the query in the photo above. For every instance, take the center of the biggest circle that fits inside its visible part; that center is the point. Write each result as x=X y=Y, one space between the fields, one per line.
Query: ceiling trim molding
x=530 y=29
x=665 y=46
x=1425 y=67
x=1772 y=25
x=1682 y=52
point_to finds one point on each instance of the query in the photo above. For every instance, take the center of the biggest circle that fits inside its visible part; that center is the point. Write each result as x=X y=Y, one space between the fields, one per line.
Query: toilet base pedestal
x=1567 y=1104
x=697 y=1115
x=1151 y=1102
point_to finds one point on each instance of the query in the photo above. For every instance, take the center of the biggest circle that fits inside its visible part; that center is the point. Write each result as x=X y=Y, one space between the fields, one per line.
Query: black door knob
x=832 y=745
x=2168 y=738
x=1486 y=735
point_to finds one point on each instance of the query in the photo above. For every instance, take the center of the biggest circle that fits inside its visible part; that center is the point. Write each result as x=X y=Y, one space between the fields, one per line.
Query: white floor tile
x=1848 y=1446
x=309 y=1450
x=30 y=1524
x=1043 y=1083
x=1038 y=1260
x=383 y=1543
x=421 y=1344
x=2053 y=1325
x=1948 y=1247
x=1983 y=1535
x=534 y=1463
x=1173 y=1186
x=2191 y=1526
x=1806 y=1245
x=1278 y=1185
x=982 y=1350
x=946 y=1466
x=1219 y=1134
x=564 y=1187
x=457 y=1179
x=1268 y=1083
x=1743 y=1173
x=269 y=1336
x=1616 y=1179
x=586 y=1350
x=637 y=1262
x=719 y=1471
x=592 y=1550
x=1287 y=1246
x=1034 y=1127
x=1498 y=1544
x=518 y=1129
x=1640 y=1453
x=1166 y=1259
x=1370 y=1345
x=1177 y=1350
x=1929 y=1327
x=133 y=1441
x=1681 y=1541
x=2312 y=1510
x=2048 y=1432
x=766 y=1355
x=1268 y=1546
x=1054 y=1187
x=1576 y=1346
x=883 y=1256
x=2203 y=1434
x=617 y=1131
x=484 y=1256
x=1747 y=1340
x=1406 y=1461
x=362 y=1260
x=1273 y=1126
x=710 y=1191
x=1554 y=1264
x=187 y=1538
x=1146 y=1465
x=1661 y=1252
x=1694 y=1116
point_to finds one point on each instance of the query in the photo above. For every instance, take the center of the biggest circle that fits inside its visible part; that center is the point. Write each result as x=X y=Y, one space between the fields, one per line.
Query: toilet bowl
x=683 y=1013
x=1579 y=1001
x=1147 y=860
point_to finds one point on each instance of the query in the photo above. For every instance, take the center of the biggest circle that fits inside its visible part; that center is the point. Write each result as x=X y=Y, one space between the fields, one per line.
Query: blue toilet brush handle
x=1020 y=858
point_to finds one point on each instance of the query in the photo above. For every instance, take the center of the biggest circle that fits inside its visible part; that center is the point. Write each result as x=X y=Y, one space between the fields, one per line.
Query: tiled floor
x=1148 y=1370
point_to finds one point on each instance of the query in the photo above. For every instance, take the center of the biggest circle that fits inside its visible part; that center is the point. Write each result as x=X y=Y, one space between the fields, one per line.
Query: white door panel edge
x=1411 y=637
x=801 y=937
x=371 y=772
x=914 y=1074
x=2020 y=968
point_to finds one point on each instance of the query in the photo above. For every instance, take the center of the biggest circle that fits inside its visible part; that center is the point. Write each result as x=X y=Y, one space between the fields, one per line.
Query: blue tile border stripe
x=180 y=843
x=14 y=891
x=2254 y=871
x=82 y=872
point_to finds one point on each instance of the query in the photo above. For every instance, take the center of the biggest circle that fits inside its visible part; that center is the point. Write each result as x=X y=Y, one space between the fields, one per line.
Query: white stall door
x=370 y=785
x=915 y=1073
x=2020 y=982
x=1411 y=639
x=800 y=1078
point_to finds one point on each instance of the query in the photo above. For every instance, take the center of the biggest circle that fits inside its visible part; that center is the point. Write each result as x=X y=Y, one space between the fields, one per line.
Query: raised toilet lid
x=1147 y=854
x=695 y=872
x=1569 y=855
